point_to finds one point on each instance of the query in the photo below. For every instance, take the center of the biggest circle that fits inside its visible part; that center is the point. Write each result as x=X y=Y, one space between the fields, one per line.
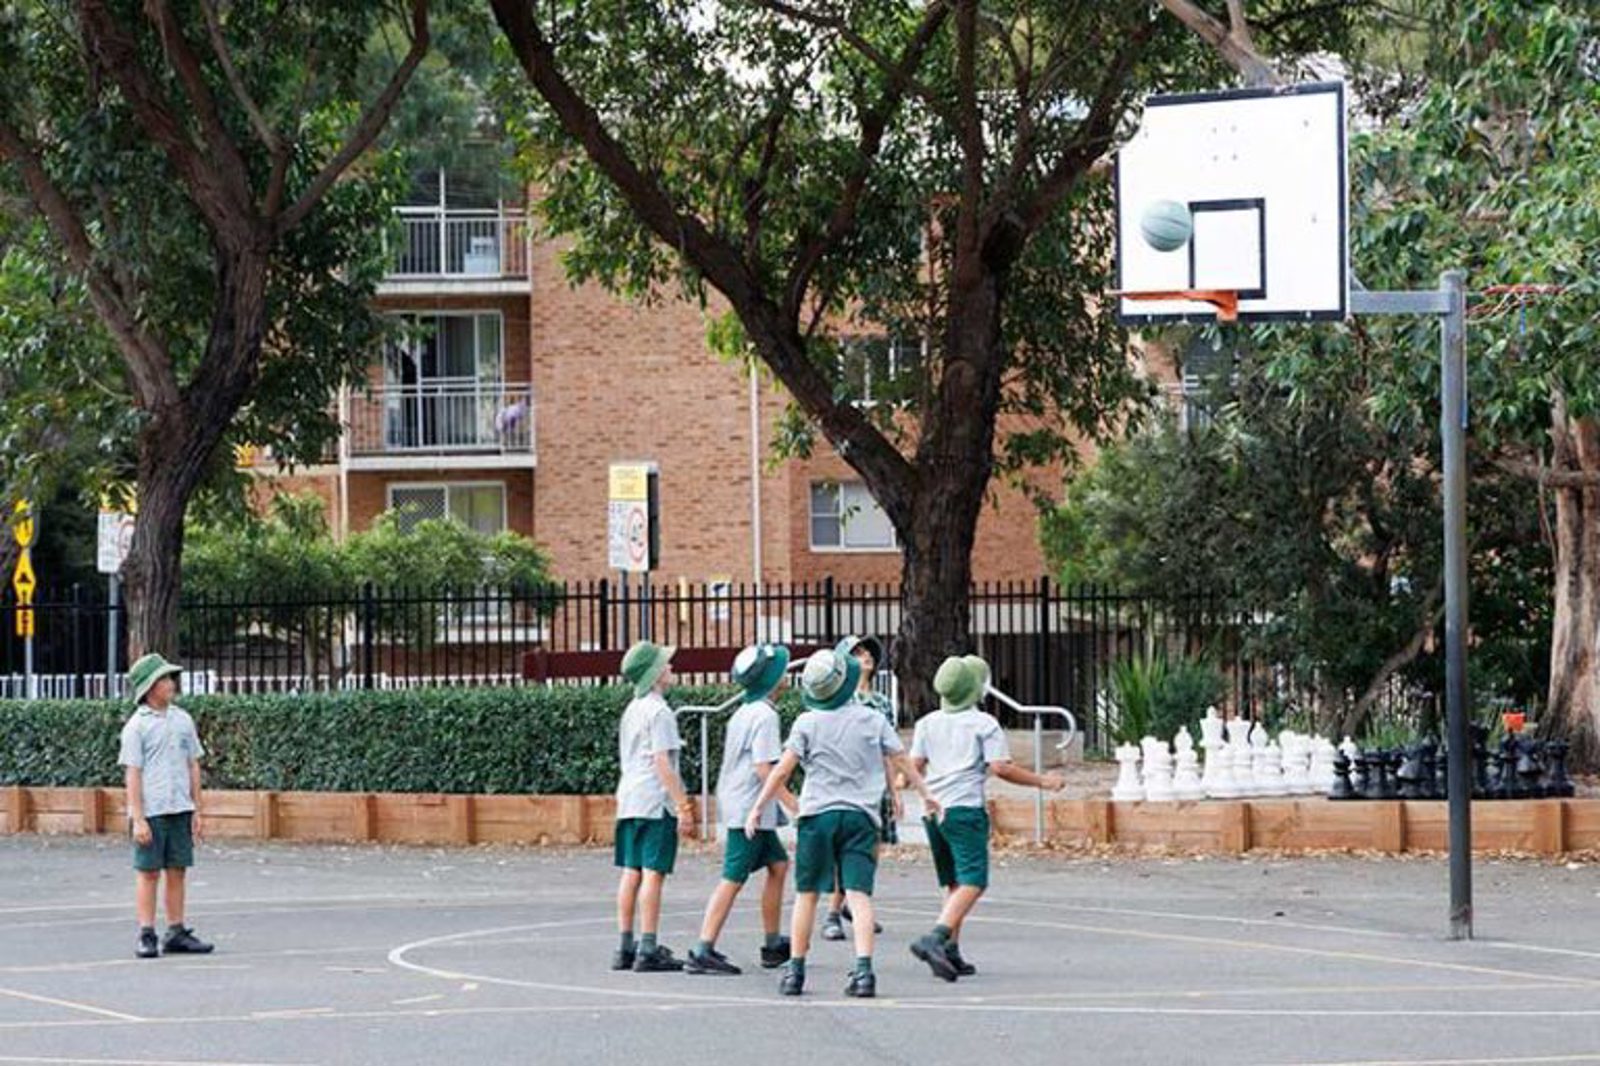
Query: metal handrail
x=1038 y=713
x=705 y=714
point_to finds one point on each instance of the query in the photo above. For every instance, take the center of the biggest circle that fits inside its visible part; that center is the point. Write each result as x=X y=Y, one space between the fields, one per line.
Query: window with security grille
x=479 y=506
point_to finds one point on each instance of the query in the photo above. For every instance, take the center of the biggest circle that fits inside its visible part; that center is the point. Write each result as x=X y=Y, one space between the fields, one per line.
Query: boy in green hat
x=752 y=745
x=160 y=754
x=843 y=747
x=647 y=795
x=869 y=653
x=958 y=748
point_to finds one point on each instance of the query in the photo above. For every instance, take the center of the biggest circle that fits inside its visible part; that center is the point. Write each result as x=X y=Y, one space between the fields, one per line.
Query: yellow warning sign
x=24 y=621
x=630 y=481
x=22 y=579
x=22 y=524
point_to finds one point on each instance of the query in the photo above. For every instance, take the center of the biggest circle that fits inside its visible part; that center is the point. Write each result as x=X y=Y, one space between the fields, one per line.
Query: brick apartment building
x=507 y=404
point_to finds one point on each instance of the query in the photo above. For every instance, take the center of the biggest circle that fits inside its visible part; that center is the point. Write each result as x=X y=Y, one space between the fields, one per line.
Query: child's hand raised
x=752 y=822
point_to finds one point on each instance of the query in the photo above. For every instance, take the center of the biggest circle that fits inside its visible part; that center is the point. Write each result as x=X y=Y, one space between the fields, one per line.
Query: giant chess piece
x=1244 y=782
x=1217 y=778
x=1495 y=789
x=1480 y=761
x=1441 y=775
x=1321 y=774
x=1157 y=771
x=1530 y=772
x=1366 y=777
x=1127 y=789
x=1509 y=785
x=1296 y=770
x=1556 y=781
x=1388 y=766
x=1409 y=773
x=1186 y=778
x=1341 y=789
x=1429 y=785
x=1273 y=782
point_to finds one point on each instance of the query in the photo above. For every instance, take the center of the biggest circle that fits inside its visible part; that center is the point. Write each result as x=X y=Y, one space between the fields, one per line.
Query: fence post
x=368 y=634
x=605 y=613
x=830 y=629
x=1041 y=667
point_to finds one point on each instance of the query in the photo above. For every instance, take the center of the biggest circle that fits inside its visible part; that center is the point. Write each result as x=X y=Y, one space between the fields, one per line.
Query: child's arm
x=1010 y=771
x=194 y=790
x=776 y=778
x=133 y=782
x=895 y=802
x=790 y=802
x=670 y=780
x=913 y=775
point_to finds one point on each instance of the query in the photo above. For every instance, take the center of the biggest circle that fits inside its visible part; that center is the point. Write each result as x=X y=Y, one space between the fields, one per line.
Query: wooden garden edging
x=1547 y=827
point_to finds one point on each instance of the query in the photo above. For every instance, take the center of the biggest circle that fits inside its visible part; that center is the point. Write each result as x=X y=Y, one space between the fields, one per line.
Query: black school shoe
x=180 y=940
x=623 y=960
x=862 y=986
x=149 y=947
x=931 y=950
x=952 y=951
x=773 y=957
x=661 y=960
x=712 y=961
x=792 y=981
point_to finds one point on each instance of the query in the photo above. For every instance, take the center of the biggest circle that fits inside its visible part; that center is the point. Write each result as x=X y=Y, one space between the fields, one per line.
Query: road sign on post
x=113 y=542
x=23 y=582
x=633 y=537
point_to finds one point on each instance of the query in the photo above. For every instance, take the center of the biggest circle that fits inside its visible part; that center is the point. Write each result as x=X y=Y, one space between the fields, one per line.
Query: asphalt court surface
x=400 y=956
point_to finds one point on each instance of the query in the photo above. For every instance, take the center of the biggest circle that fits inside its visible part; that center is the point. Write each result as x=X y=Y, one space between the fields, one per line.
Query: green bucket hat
x=643 y=664
x=146 y=672
x=981 y=665
x=829 y=680
x=758 y=669
x=958 y=684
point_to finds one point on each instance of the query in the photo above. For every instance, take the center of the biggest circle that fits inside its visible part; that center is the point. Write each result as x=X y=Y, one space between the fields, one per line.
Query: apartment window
x=1207 y=376
x=480 y=506
x=874 y=369
x=444 y=347
x=845 y=517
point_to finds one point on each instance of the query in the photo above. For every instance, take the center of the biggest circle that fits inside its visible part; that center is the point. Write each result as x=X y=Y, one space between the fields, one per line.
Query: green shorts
x=647 y=843
x=171 y=844
x=960 y=846
x=743 y=856
x=843 y=841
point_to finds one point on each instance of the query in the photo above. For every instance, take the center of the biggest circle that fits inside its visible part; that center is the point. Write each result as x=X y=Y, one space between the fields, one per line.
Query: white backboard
x=1262 y=172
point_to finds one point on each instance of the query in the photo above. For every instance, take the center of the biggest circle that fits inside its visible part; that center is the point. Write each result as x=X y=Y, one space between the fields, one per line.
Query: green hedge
x=502 y=740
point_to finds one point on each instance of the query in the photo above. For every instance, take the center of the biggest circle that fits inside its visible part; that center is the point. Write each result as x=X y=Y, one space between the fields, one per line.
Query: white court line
x=136 y=1062
x=272 y=900
x=1521 y=1061
x=87 y=1008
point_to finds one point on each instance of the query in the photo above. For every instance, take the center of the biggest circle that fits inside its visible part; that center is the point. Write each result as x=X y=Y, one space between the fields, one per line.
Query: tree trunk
x=175 y=451
x=1574 y=698
x=955 y=460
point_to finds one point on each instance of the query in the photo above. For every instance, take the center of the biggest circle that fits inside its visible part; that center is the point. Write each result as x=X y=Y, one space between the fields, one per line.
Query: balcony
x=450 y=424
x=477 y=251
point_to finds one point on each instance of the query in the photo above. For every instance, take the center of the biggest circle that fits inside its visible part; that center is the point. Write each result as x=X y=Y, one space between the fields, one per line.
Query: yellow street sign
x=22 y=524
x=22 y=579
x=630 y=481
x=24 y=621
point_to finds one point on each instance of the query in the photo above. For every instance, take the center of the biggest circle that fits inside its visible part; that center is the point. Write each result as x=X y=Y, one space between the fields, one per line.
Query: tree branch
x=219 y=46
x=873 y=124
x=368 y=128
x=1231 y=42
x=149 y=368
x=1550 y=478
x=1432 y=611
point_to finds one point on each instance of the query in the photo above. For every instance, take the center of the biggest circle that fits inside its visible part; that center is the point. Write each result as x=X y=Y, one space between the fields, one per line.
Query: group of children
x=848 y=747
x=845 y=742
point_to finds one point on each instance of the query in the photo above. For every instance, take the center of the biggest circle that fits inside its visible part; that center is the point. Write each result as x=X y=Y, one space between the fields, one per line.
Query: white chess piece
x=1321 y=773
x=1273 y=782
x=1157 y=771
x=1296 y=773
x=1350 y=749
x=1186 y=778
x=1127 y=787
x=1217 y=770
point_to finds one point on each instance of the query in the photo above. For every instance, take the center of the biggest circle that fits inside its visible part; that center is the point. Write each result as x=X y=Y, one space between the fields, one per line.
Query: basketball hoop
x=1226 y=301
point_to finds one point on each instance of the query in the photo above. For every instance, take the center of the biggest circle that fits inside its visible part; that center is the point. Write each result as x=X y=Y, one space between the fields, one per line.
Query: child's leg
x=957 y=905
x=175 y=895
x=836 y=901
x=650 y=902
x=717 y=909
x=862 y=922
x=627 y=898
x=772 y=898
x=805 y=914
x=144 y=896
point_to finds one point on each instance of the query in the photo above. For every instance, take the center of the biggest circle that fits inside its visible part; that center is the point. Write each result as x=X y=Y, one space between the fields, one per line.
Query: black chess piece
x=1557 y=783
x=1506 y=784
x=1388 y=764
x=1429 y=784
x=1441 y=775
x=1480 y=761
x=1409 y=773
x=1495 y=788
x=1364 y=776
x=1530 y=771
x=1341 y=789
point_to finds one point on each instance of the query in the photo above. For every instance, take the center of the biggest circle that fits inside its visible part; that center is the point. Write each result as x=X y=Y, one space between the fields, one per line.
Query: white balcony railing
x=440 y=243
x=441 y=418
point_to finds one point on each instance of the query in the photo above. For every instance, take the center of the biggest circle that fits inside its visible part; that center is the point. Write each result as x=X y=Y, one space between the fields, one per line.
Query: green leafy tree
x=205 y=176
x=928 y=169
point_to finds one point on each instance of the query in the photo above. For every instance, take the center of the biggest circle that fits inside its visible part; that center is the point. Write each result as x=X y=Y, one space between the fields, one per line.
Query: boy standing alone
x=160 y=755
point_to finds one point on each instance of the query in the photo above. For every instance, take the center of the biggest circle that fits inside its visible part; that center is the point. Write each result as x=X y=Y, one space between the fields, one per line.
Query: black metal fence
x=1048 y=644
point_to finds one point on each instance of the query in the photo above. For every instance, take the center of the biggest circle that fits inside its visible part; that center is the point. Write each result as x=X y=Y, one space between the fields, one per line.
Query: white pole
x=755 y=478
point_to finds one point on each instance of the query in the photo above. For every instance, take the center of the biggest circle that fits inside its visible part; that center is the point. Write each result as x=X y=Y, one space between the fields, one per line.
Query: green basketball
x=1166 y=225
